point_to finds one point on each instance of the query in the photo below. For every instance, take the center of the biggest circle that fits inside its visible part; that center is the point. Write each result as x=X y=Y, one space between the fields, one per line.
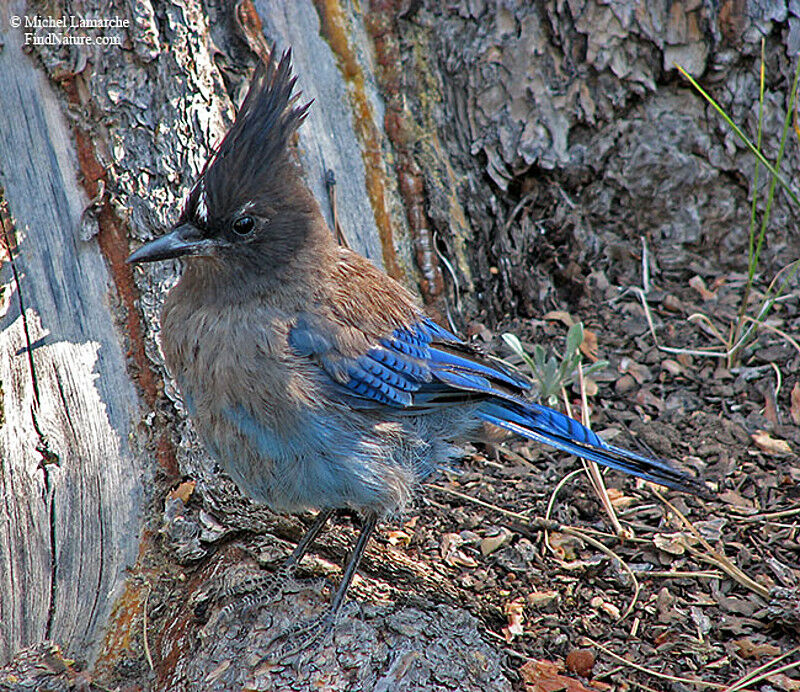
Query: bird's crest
x=252 y=157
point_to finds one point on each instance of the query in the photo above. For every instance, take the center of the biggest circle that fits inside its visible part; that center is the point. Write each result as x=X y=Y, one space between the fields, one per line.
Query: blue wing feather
x=423 y=366
x=408 y=369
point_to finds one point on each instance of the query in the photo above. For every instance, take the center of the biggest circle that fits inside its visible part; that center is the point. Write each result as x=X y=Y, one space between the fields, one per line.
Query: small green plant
x=549 y=373
x=741 y=332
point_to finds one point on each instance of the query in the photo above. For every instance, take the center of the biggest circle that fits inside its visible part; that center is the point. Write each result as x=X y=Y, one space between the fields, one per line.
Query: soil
x=736 y=426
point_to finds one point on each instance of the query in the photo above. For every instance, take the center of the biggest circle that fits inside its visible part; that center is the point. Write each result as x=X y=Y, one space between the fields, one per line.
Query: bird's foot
x=256 y=589
x=300 y=638
x=241 y=594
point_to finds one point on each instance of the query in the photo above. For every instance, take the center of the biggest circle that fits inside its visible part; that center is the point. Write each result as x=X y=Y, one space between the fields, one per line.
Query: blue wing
x=419 y=366
x=424 y=366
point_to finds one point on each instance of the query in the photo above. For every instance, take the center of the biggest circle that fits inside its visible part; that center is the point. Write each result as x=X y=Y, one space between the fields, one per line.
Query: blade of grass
x=742 y=331
x=742 y=136
x=753 y=207
x=765 y=217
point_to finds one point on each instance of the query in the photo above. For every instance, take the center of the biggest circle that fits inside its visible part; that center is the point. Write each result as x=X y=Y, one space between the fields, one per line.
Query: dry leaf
x=699 y=285
x=589 y=345
x=449 y=544
x=538 y=599
x=640 y=373
x=451 y=553
x=590 y=386
x=710 y=529
x=784 y=682
x=673 y=367
x=770 y=445
x=747 y=648
x=461 y=559
x=735 y=498
x=492 y=543
x=672 y=543
x=646 y=398
x=794 y=408
x=183 y=492
x=605 y=607
x=560 y=316
x=672 y=303
x=515 y=613
x=545 y=676
x=619 y=499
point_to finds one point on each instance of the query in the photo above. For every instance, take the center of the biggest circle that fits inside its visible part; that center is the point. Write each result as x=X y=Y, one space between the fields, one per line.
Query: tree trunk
x=72 y=487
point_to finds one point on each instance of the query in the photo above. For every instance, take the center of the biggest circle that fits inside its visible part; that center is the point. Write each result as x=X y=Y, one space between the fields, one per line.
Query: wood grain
x=70 y=489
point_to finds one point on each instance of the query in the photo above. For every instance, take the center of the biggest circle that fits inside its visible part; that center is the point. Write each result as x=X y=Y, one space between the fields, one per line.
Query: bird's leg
x=263 y=588
x=304 y=635
x=287 y=568
x=370 y=520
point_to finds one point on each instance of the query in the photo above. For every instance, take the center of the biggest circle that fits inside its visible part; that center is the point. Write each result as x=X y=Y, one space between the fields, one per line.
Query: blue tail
x=547 y=426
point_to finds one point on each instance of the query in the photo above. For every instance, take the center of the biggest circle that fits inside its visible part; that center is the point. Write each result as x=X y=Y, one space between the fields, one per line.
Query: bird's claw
x=247 y=594
x=256 y=590
x=298 y=638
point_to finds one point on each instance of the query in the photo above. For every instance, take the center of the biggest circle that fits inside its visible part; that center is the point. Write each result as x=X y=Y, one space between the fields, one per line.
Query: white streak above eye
x=201 y=208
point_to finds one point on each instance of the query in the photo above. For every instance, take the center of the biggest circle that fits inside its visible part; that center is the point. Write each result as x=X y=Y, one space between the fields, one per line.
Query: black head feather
x=250 y=212
x=250 y=168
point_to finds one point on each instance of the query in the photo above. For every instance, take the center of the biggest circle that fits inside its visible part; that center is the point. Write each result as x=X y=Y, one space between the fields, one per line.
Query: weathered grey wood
x=71 y=493
x=327 y=140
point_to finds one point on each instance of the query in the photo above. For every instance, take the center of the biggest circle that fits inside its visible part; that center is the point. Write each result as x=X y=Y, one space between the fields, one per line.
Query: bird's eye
x=244 y=225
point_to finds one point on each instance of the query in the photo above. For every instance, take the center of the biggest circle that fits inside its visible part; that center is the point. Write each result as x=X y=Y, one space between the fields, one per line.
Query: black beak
x=180 y=241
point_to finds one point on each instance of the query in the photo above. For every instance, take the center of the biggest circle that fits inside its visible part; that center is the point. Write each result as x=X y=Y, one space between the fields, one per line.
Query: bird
x=314 y=379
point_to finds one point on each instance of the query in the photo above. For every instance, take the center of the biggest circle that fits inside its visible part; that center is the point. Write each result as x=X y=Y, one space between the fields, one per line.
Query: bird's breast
x=234 y=357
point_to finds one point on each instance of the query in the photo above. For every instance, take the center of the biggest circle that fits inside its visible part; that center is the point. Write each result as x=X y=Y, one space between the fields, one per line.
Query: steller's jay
x=317 y=381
